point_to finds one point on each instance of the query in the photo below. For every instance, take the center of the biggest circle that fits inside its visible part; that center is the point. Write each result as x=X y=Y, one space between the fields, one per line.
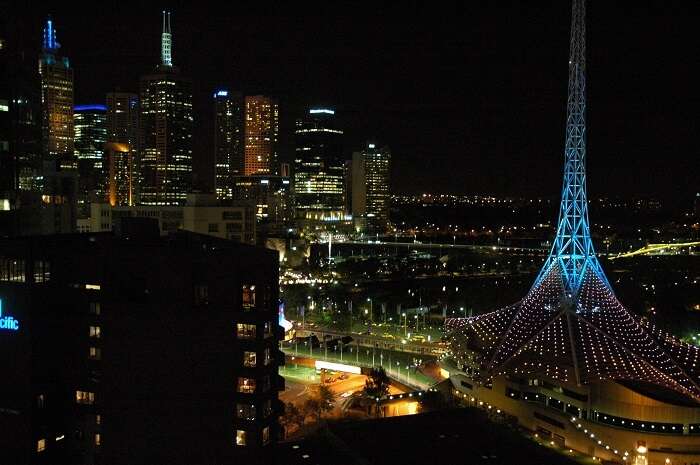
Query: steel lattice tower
x=570 y=326
x=573 y=250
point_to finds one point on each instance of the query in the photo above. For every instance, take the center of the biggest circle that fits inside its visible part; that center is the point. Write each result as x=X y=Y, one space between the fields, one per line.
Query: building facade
x=57 y=102
x=90 y=130
x=319 y=185
x=119 y=174
x=117 y=364
x=272 y=200
x=261 y=135
x=123 y=128
x=370 y=187
x=165 y=133
x=229 y=141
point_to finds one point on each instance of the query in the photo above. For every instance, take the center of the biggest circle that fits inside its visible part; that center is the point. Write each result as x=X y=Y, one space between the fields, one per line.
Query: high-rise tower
x=57 y=101
x=570 y=327
x=261 y=134
x=319 y=166
x=229 y=140
x=166 y=124
x=90 y=137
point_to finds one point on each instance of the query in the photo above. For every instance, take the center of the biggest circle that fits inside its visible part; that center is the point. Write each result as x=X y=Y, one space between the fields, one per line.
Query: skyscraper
x=261 y=134
x=20 y=121
x=118 y=176
x=165 y=133
x=229 y=141
x=123 y=130
x=370 y=186
x=319 y=166
x=90 y=123
x=57 y=101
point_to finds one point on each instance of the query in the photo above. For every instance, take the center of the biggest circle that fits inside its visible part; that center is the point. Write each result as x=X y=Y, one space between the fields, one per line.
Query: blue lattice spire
x=572 y=250
x=49 y=42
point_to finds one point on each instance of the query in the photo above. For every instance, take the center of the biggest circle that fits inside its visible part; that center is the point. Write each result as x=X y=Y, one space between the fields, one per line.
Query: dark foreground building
x=130 y=348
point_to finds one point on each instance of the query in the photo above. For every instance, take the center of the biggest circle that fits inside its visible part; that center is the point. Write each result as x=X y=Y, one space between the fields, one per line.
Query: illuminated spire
x=166 y=42
x=49 y=42
x=572 y=251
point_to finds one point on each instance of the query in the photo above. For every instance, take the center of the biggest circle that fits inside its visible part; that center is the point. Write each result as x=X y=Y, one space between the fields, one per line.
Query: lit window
x=245 y=411
x=266 y=435
x=249 y=359
x=267 y=330
x=95 y=331
x=246 y=385
x=95 y=353
x=84 y=397
x=98 y=419
x=248 y=296
x=267 y=356
x=40 y=401
x=94 y=287
x=245 y=331
x=41 y=445
x=98 y=439
x=240 y=437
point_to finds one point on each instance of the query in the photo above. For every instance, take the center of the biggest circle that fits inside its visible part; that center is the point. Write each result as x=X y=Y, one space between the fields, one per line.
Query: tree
x=321 y=401
x=293 y=416
x=376 y=386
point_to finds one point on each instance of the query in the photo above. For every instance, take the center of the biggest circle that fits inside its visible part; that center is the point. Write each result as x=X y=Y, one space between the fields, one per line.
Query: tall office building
x=20 y=120
x=90 y=123
x=118 y=176
x=122 y=130
x=319 y=166
x=261 y=135
x=229 y=141
x=57 y=101
x=370 y=186
x=165 y=133
x=107 y=362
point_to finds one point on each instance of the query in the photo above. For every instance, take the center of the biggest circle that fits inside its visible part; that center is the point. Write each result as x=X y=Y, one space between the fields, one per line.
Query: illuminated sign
x=221 y=93
x=7 y=322
x=315 y=111
x=337 y=367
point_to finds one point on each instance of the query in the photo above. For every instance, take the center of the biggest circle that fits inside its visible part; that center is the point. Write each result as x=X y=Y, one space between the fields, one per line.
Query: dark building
x=20 y=120
x=107 y=361
x=57 y=101
x=319 y=166
x=90 y=129
x=229 y=141
x=166 y=125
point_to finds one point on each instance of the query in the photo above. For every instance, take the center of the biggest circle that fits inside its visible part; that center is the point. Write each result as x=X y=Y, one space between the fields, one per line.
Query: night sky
x=471 y=99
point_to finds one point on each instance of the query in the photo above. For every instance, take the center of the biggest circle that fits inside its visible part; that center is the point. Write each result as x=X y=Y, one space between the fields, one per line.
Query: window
x=267 y=408
x=248 y=300
x=241 y=437
x=245 y=331
x=265 y=384
x=98 y=419
x=84 y=397
x=95 y=308
x=267 y=330
x=93 y=287
x=95 y=331
x=95 y=353
x=201 y=294
x=41 y=445
x=98 y=439
x=249 y=359
x=41 y=401
x=246 y=385
x=12 y=270
x=245 y=411
x=42 y=271
x=232 y=215
x=234 y=227
x=266 y=435
x=267 y=356
x=213 y=227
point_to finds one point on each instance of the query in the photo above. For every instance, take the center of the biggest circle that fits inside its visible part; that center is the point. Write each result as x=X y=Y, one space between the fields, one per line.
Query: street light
x=369 y=299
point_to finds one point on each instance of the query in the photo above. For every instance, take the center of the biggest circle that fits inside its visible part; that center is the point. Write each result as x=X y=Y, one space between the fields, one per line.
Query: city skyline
x=462 y=73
